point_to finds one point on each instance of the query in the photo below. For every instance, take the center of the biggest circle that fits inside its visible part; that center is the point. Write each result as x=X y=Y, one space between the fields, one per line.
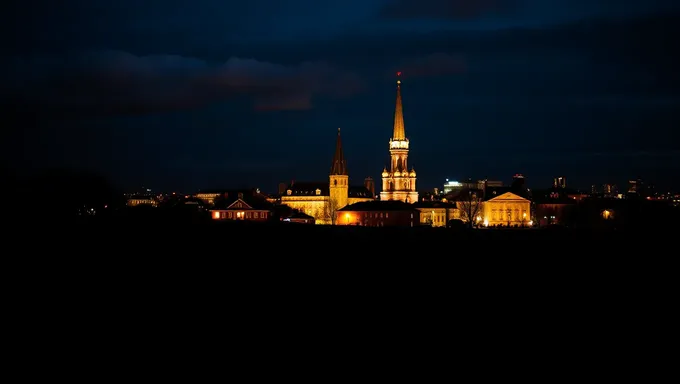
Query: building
x=399 y=183
x=553 y=206
x=436 y=213
x=370 y=185
x=209 y=196
x=455 y=187
x=609 y=190
x=393 y=213
x=321 y=200
x=560 y=182
x=452 y=186
x=504 y=208
x=241 y=206
x=136 y=200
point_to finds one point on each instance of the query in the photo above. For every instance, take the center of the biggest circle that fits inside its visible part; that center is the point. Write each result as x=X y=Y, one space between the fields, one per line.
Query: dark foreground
x=280 y=285
x=203 y=237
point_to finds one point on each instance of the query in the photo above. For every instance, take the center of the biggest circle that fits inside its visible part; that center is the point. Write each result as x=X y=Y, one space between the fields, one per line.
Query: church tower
x=399 y=183
x=339 y=178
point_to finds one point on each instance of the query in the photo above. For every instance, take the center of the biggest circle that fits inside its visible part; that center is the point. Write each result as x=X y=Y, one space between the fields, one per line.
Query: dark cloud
x=445 y=9
x=121 y=83
x=436 y=64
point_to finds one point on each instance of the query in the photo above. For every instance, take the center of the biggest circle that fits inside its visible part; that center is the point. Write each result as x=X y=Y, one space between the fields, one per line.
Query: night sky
x=204 y=94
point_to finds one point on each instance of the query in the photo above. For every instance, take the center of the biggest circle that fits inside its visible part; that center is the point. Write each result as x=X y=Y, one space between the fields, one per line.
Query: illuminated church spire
x=339 y=166
x=398 y=183
x=399 y=130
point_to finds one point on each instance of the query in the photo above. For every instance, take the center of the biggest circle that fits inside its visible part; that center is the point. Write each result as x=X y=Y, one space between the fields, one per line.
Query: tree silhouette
x=469 y=203
x=330 y=210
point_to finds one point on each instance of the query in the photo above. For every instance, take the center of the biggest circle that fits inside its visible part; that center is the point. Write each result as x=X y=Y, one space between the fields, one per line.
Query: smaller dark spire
x=339 y=166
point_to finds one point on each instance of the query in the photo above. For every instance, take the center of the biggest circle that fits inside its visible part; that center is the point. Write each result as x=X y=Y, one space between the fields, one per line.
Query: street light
x=347 y=217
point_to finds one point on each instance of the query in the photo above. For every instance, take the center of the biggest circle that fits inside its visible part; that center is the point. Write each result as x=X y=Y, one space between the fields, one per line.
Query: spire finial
x=399 y=131
x=339 y=166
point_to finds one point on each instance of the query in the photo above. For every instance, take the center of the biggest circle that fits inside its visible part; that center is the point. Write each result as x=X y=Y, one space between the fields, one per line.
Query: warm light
x=216 y=215
x=479 y=218
x=524 y=215
x=531 y=223
x=486 y=222
x=346 y=215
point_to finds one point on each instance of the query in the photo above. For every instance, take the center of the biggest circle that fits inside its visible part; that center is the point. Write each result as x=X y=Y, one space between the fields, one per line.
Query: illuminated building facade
x=379 y=214
x=507 y=209
x=399 y=183
x=141 y=200
x=452 y=186
x=436 y=213
x=242 y=206
x=322 y=200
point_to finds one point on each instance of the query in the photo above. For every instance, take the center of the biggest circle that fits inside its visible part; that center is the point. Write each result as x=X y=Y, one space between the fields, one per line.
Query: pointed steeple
x=339 y=166
x=399 y=130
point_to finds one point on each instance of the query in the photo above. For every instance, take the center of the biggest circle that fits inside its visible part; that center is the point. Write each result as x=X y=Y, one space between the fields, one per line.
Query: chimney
x=282 y=188
x=370 y=185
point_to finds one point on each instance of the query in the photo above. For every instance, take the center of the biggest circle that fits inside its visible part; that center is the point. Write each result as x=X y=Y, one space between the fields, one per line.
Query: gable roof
x=243 y=200
x=507 y=196
x=239 y=204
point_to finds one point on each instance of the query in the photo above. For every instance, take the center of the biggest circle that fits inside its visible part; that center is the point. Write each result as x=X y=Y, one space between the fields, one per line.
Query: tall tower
x=399 y=183
x=339 y=178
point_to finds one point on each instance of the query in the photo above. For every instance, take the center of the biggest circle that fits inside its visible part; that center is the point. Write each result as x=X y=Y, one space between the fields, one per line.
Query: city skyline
x=188 y=97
